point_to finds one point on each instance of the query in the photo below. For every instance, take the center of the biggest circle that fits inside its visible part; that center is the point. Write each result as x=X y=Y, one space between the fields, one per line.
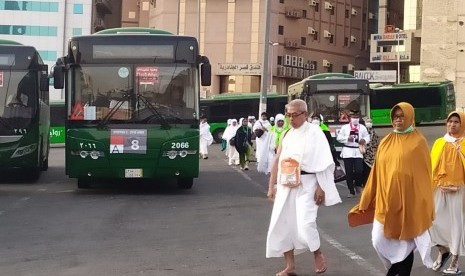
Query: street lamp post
x=271 y=63
x=398 y=31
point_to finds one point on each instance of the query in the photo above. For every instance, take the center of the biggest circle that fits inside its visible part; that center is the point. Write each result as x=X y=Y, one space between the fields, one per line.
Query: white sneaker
x=350 y=195
x=246 y=168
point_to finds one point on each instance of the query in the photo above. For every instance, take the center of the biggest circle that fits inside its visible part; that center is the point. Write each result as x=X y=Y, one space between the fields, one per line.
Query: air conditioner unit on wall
x=353 y=38
x=371 y=15
x=328 y=6
x=326 y=63
x=354 y=11
x=312 y=2
x=306 y=66
x=310 y=31
x=294 y=61
x=350 y=67
x=327 y=34
x=300 y=62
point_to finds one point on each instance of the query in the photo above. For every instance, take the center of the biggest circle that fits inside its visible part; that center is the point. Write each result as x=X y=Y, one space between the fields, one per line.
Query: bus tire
x=44 y=165
x=218 y=135
x=185 y=183
x=83 y=183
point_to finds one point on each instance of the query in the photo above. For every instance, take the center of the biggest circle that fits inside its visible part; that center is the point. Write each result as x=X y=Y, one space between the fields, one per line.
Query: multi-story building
x=46 y=25
x=305 y=36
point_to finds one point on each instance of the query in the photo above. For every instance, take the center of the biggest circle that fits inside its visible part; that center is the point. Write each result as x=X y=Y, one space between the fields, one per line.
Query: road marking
x=359 y=260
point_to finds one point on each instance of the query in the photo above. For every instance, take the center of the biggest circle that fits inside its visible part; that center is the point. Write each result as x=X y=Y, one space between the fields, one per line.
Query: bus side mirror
x=206 y=74
x=58 y=77
x=44 y=83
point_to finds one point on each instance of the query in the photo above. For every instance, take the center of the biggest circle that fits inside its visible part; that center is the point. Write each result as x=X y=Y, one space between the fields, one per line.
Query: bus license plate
x=132 y=173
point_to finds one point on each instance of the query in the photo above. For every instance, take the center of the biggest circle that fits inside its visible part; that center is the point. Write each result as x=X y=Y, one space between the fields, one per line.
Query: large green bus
x=432 y=101
x=132 y=105
x=219 y=108
x=24 y=109
x=57 y=123
x=332 y=95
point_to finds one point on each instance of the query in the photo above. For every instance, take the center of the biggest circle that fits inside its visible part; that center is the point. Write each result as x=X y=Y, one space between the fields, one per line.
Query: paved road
x=217 y=228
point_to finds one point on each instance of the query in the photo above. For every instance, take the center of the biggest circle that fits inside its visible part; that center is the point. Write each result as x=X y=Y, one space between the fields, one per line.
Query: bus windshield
x=334 y=106
x=135 y=93
x=18 y=99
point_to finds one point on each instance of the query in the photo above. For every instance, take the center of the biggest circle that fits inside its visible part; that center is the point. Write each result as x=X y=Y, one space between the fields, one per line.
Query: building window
x=303 y=41
x=332 y=10
x=345 y=69
x=317 y=7
x=48 y=55
x=346 y=41
x=281 y=1
x=77 y=31
x=280 y=60
x=331 y=39
x=78 y=8
x=304 y=13
x=330 y=68
x=280 y=29
x=28 y=30
x=347 y=13
x=315 y=36
x=29 y=6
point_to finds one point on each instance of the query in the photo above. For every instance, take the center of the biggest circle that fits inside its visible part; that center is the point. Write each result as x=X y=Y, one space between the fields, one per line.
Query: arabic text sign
x=377 y=76
x=128 y=141
x=239 y=69
x=147 y=75
x=389 y=57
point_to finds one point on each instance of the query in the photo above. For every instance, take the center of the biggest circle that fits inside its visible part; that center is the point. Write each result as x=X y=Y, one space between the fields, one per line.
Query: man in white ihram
x=293 y=229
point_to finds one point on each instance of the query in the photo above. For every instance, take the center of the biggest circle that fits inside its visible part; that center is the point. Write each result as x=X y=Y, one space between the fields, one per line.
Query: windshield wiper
x=125 y=97
x=154 y=111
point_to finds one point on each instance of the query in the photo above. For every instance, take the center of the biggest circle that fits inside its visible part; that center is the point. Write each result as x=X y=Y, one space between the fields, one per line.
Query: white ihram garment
x=293 y=220
x=260 y=142
x=206 y=138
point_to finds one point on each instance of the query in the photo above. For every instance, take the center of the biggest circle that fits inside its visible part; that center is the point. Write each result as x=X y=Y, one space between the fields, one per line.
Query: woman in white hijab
x=224 y=142
x=231 y=151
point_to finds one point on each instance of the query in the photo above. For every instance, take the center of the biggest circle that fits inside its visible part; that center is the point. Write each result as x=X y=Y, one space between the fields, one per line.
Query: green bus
x=132 y=105
x=432 y=101
x=219 y=108
x=24 y=112
x=57 y=123
x=332 y=95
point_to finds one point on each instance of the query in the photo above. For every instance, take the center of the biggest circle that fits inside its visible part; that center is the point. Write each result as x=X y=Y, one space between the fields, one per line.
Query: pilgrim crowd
x=413 y=197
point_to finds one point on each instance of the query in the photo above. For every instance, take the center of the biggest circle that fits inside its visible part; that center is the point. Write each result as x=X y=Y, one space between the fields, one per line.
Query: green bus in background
x=332 y=95
x=24 y=109
x=219 y=108
x=432 y=101
x=132 y=105
x=57 y=123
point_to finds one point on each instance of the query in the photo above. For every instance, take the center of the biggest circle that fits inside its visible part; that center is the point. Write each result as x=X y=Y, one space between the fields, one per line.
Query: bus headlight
x=21 y=151
x=95 y=154
x=171 y=154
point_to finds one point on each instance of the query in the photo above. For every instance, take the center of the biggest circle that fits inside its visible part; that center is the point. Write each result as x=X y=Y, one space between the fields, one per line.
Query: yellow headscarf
x=398 y=188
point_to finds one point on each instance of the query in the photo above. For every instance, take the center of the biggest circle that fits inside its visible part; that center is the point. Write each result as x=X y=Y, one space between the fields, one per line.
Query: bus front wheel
x=218 y=135
x=185 y=183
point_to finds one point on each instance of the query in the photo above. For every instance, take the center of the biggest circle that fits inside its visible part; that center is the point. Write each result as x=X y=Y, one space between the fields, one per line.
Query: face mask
x=316 y=122
x=369 y=125
x=354 y=121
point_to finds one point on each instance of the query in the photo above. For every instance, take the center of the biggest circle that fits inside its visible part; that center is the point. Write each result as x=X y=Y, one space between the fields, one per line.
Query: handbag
x=339 y=174
x=258 y=132
x=357 y=217
x=232 y=141
x=290 y=173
